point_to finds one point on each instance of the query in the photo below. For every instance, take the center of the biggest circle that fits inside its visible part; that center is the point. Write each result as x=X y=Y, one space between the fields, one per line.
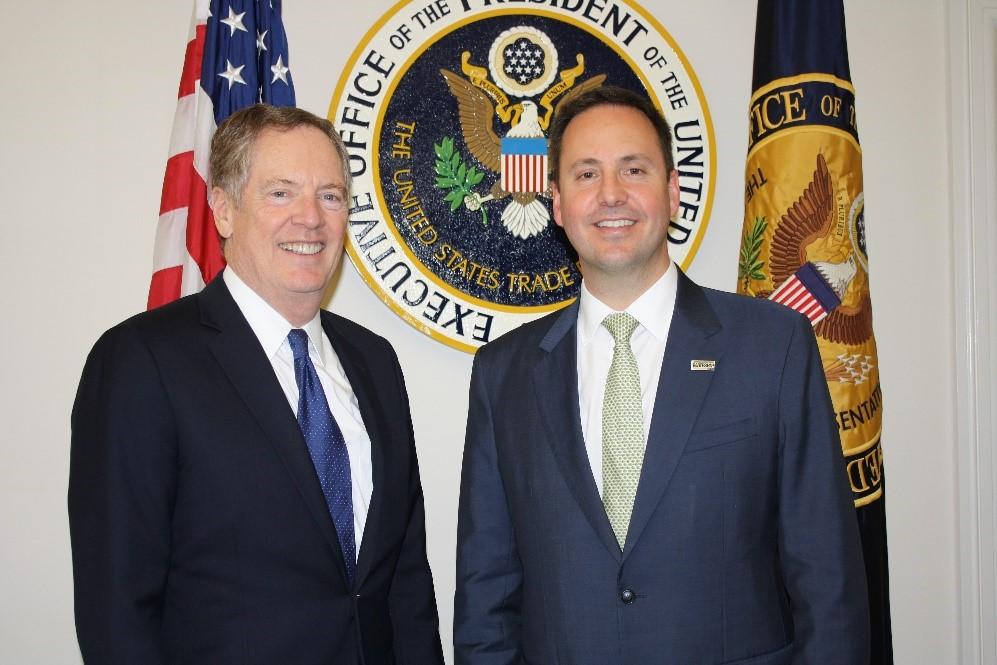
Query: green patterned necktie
x=622 y=427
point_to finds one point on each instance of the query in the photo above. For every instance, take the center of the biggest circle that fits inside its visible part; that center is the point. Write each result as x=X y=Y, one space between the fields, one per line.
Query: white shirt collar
x=267 y=323
x=647 y=309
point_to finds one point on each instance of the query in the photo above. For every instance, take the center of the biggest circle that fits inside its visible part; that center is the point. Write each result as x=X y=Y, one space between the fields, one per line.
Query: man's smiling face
x=284 y=237
x=614 y=196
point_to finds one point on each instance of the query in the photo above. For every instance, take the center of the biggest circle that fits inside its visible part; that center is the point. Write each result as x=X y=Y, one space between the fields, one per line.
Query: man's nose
x=309 y=212
x=611 y=190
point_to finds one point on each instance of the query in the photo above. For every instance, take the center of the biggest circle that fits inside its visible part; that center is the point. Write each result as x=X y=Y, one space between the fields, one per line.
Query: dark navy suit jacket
x=743 y=545
x=200 y=533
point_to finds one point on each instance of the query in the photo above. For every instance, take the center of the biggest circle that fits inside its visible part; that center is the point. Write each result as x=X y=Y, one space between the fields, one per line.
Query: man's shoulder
x=532 y=335
x=355 y=334
x=742 y=311
x=166 y=321
x=169 y=337
x=351 y=328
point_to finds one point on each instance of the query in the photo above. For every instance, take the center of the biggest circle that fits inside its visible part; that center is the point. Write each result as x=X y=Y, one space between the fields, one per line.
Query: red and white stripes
x=795 y=295
x=524 y=173
x=187 y=253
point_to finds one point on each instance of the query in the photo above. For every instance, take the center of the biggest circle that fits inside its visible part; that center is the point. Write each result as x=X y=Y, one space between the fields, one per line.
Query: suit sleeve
x=412 y=600
x=122 y=482
x=489 y=572
x=819 y=539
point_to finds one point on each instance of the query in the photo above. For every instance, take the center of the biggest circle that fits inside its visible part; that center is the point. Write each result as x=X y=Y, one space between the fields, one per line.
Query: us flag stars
x=249 y=49
x=279 y=71
x=234 y=21
x=232 y=74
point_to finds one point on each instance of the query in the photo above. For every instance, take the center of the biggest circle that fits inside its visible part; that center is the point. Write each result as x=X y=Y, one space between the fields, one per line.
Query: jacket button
x=628 y=596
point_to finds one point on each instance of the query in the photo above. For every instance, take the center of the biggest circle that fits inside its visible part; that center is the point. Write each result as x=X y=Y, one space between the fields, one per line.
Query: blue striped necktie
x=327 y=448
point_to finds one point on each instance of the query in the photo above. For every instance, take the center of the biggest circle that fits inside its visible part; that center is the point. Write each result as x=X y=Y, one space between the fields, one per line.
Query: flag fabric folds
x=236 y=56
x=803 y=243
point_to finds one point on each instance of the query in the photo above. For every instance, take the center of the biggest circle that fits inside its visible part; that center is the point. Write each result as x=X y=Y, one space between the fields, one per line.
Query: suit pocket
x=721 y=436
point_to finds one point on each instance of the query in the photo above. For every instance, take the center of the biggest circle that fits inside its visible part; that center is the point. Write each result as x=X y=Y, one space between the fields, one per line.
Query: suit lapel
x=240 y=356
x=693 y=335
x=557 y=374
x=363 y=387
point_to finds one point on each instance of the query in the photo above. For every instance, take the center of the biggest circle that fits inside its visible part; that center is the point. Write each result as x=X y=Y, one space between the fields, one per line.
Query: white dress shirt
x=271 y=329
x=653 y=311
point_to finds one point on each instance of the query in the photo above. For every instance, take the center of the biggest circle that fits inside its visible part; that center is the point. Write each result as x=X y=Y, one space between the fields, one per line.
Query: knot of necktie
x=298 y=339
x=621 y=326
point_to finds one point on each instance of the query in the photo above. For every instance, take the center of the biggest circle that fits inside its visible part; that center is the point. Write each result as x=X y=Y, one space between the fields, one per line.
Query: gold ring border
x=357 y=260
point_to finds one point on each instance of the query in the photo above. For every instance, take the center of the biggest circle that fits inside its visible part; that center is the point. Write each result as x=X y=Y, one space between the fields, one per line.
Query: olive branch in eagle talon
x=460 y=179
x=748 y=266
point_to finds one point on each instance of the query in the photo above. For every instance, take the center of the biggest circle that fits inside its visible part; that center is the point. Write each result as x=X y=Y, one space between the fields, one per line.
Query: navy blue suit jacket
x=200 y=533
x=743 y=544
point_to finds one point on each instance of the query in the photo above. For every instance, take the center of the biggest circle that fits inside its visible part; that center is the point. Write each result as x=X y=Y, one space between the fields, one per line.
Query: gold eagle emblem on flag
x=804 y=231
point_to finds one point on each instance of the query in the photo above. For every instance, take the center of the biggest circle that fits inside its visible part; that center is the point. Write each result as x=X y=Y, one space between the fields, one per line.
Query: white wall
x=90 y=91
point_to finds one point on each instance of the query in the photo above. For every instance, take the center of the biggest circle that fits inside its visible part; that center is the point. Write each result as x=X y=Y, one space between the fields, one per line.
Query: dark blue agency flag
x=803 y=244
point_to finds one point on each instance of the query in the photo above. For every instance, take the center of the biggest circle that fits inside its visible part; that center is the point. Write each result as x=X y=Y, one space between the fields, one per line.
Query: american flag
x=524 y=164
x=236 y=56
x=808 y=293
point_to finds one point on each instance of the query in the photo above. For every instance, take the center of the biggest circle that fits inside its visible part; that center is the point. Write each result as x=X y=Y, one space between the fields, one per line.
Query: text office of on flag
x=236 y=56
x=804 y=243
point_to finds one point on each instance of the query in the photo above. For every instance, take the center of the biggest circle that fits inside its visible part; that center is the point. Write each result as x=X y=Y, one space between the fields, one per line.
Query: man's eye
x=634 y=170
x=279 y=194
x=333 y=200
x=585 y=175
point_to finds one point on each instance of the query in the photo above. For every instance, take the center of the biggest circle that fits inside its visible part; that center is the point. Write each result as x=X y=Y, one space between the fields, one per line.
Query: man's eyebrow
x=625 y=159
x=278 y=181
x=290 y=182
x=587 y=161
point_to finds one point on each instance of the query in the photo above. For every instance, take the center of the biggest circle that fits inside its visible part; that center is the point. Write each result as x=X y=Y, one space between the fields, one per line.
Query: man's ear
x=673 y=193
x=556 y=200
x=222 y=208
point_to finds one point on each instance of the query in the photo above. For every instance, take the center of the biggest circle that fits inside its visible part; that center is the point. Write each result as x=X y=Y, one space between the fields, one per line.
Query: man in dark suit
x=243 y=481
x=652 y=475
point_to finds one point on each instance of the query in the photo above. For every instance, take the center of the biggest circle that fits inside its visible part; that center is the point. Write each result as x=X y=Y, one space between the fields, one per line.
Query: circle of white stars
x=860 y=231
x=524 y=61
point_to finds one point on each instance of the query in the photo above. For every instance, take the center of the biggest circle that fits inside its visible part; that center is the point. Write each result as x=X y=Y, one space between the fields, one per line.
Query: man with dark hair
x=606 y=95
x=243 y=477
x=653 y=474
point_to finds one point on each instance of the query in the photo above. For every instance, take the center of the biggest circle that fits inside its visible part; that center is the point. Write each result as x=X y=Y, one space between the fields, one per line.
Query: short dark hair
x=232 y=144
x=605 y=95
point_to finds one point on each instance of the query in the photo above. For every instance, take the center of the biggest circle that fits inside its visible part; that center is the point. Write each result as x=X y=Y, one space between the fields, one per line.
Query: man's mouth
x=305 y=248
x=615 y=223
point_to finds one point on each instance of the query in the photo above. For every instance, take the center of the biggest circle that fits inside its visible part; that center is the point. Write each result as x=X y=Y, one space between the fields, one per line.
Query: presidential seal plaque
x=444 y=107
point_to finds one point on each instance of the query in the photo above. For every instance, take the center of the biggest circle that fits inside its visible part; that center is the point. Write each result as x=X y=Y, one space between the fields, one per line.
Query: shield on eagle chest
x=524 y=165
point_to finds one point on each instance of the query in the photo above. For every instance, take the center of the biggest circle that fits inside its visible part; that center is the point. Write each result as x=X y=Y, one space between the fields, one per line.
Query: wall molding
x=973 y=139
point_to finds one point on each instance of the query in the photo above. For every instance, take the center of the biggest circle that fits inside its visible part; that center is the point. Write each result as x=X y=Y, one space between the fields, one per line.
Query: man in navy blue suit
x=243 y=480
x=652 y=475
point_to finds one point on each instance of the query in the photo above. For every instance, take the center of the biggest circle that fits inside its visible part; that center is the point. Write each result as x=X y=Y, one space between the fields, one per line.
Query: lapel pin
x=702 y=365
